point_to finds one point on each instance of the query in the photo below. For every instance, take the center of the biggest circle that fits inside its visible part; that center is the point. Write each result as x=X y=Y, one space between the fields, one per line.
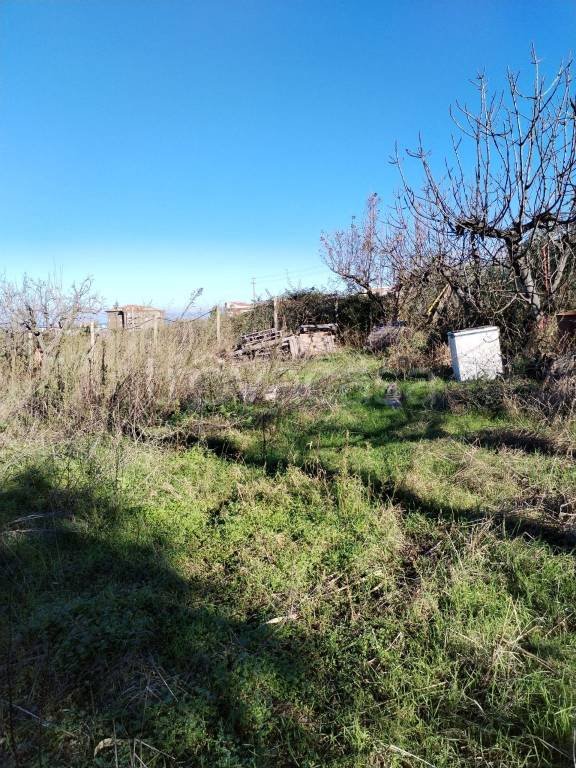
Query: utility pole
x=253 y=290
x=218 y=324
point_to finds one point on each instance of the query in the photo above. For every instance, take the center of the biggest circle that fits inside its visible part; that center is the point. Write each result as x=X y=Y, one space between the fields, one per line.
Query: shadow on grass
x=519 y=439
x=105 y=645
x=404 y=425
x=511 y=521
x=411 y=425
x=102 y=639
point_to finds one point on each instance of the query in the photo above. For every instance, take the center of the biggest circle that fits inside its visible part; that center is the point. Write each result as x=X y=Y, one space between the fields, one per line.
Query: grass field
x=327 y=582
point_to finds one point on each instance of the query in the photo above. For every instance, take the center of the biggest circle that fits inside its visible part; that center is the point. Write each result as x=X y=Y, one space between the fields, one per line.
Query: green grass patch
x=350 y=586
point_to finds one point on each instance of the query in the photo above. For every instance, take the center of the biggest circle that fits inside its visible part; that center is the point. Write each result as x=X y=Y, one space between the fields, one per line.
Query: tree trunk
x=527 y=284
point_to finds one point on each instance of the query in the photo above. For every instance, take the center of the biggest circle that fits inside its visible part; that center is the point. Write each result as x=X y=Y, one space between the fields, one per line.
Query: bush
x=353 y=313
x=413 y=354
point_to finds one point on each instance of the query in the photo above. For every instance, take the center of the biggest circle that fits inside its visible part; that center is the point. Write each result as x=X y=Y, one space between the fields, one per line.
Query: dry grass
x=126 y=382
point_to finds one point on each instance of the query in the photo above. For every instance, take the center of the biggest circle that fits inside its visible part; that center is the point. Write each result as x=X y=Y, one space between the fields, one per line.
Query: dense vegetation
x=316 y=580
x=354 y=314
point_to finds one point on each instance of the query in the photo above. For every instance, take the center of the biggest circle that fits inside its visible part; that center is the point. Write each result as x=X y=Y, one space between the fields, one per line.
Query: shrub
x=353 y=313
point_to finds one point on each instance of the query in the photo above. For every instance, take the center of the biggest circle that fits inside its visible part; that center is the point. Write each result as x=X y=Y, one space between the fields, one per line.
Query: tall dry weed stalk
x=127 y=381
x=119 y=381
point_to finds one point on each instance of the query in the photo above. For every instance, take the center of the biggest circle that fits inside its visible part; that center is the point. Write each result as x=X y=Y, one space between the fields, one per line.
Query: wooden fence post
x=13 y=357
x=103 y=364
x=91 y=353
x=115 y=338
x=30 y=353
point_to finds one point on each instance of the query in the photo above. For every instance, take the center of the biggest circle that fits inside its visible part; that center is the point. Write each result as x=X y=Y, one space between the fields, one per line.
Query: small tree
x=46 y=311
x=513 y=212
x=370 y=257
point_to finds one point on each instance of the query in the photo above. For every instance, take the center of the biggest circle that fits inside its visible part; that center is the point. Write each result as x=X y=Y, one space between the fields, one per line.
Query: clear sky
x=164 y=145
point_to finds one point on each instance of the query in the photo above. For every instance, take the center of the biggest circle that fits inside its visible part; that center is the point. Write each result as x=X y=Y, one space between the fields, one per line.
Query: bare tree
x=512 y=209
x=46 y=312
x=395 y=261
x=370 y=256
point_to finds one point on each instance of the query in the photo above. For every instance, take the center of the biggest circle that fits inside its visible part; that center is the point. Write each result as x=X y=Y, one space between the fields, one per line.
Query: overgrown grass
x=329 y=584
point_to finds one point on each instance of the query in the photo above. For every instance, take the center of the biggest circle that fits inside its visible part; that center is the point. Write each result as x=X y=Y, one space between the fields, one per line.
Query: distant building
x=133 y=317
x=237 y=307
x=380 y=290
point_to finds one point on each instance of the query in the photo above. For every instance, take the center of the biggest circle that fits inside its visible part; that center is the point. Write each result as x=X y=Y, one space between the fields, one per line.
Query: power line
x=287 y=282
x=291 y=273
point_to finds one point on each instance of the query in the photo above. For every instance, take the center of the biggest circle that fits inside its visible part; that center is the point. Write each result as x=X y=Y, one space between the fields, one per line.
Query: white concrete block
x=476 y=353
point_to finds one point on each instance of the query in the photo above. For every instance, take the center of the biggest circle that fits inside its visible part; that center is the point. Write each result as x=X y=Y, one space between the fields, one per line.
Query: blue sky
x=165 y=145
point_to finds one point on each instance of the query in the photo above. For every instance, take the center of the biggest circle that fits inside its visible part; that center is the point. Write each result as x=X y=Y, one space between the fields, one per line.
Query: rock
x=393 y=397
